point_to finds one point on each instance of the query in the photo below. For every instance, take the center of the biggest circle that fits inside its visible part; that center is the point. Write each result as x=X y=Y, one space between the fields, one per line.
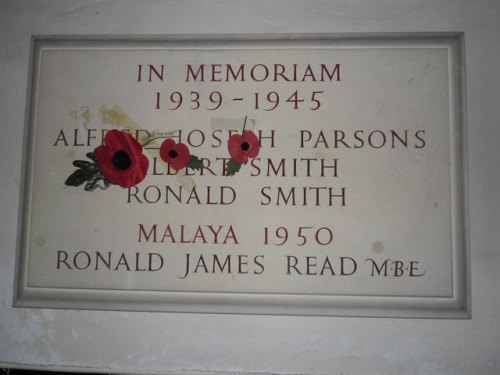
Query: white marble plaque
x=319 y=175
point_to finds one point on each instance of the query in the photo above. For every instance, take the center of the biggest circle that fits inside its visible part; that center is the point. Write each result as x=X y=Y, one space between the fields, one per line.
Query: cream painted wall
x=231 y=344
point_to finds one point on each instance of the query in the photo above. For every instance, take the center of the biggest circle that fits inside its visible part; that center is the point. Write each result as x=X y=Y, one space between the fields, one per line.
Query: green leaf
x=91 y=156
x=83 y=164
x=93 y=183
x=88 y=173
x=77 y=178
x=232 y=167
x=195 y=162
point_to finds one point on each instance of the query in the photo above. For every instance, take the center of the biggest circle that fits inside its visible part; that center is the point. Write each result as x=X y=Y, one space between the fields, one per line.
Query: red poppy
x=121 y=160
x=175 y=154
x=241 y=147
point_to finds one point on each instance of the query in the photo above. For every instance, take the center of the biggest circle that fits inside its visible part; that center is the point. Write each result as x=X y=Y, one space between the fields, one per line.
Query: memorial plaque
x=312 y=175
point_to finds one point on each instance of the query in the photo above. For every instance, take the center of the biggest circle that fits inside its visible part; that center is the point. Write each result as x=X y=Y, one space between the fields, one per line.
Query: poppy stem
x=151 y=139
x=154 y=137
x=244 y=124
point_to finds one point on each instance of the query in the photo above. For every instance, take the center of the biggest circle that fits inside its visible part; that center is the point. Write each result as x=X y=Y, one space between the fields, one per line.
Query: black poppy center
x=121 y=160
x=173 y=154
x=245 y=146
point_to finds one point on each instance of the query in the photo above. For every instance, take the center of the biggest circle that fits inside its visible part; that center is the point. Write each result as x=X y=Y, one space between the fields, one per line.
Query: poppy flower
x=121 y=160
x=175 y=154
x=241 y=147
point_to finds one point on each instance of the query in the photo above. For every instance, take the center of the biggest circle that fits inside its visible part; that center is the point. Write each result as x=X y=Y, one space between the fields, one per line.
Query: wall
x=220 y=344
